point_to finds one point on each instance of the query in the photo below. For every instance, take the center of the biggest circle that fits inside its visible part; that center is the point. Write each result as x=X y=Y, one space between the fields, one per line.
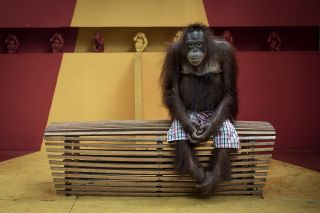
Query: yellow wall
x=138 y=13
x=100 y=86
x=152 y=107
x=94 y=86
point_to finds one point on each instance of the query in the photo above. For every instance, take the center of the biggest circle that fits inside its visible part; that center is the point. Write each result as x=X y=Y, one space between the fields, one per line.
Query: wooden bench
x=132 y=158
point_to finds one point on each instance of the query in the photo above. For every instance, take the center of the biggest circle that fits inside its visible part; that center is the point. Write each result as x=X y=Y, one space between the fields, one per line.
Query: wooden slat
x=66 y=192
x=134 y=124
x=70 y=134
x=142 y=152
x=154 y=189
x=145 y=165
x=144 y=172
x=105 y=133
x=145 y=131
x=152 y=184
x=148 y=159
x=126 y=127
x=141 y=133
x=147 y=178
x=135 y=145
x=127 y=139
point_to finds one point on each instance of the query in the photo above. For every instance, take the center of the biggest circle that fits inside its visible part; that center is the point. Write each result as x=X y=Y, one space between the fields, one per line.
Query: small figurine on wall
x=274 y=41
x=227 y=36
x=141 y=42
x=98 y=42
x=12 y=44
x=177 y=36
x=56 y=43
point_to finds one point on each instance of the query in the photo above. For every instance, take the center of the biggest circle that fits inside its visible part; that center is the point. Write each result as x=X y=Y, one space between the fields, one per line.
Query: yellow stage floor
x=25 y=186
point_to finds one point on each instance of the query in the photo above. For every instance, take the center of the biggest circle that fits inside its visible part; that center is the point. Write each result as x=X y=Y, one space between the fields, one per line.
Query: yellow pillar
x=138 y=85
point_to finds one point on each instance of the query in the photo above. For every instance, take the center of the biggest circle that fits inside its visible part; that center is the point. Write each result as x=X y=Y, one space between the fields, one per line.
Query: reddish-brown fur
x=215 y=92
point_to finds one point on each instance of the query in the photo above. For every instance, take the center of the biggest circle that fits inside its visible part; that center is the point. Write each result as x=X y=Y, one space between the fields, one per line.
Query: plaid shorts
x=226 y=137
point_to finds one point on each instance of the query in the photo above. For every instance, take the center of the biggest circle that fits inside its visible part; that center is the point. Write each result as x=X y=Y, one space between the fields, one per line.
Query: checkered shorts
x=226 y=137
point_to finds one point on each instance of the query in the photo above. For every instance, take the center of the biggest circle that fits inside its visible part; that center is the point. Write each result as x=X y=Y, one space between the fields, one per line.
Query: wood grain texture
x=132 y=158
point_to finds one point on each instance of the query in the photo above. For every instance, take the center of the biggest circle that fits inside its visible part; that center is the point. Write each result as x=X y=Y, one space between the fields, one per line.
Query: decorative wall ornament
x=97 y=42
x=56 y=43
x=12 y=44
x=177 y=36
x=274 y=41
x=141 y=42
x=227 y=36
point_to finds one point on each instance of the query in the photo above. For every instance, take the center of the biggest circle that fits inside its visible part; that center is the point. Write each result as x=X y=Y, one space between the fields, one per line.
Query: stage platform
x=26 y=186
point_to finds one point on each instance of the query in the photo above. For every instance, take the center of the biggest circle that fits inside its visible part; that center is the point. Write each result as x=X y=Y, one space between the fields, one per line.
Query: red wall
x=27 y=84
x=279 y=87
x=36 y=13
x=28 y=81
x=282 y=88
x=263 y=12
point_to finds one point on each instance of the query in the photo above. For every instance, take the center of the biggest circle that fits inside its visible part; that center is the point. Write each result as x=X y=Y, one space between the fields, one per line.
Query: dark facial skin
x=196 y=47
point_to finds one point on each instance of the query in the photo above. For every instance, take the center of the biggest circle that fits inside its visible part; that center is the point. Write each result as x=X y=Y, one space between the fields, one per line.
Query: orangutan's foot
x=210 y=182
x=197 y=173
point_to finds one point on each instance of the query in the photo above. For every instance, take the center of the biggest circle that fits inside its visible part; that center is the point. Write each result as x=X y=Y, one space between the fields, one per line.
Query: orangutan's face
x=196 y=47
